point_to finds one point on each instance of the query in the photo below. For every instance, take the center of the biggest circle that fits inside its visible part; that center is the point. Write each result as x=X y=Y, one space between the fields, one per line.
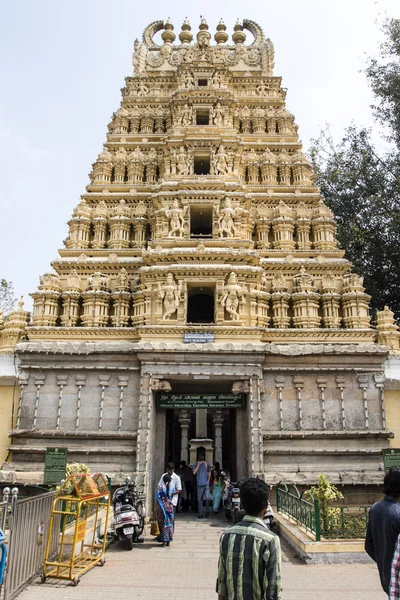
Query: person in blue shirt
x=202 y=470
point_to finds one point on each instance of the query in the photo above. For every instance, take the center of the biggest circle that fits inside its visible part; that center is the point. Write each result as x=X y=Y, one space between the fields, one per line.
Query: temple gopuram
x=201 y=299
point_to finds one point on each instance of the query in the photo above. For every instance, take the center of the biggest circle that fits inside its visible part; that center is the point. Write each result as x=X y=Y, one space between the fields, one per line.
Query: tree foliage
x=361 y=183
x=7 y=298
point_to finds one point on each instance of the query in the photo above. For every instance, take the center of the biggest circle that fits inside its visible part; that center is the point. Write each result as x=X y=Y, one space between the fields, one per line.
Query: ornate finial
x=168 y=35
x=185 y=36
x=221 y=37
x=203 y=36
x=21 y=303
x=203 y=23
x=239 y=36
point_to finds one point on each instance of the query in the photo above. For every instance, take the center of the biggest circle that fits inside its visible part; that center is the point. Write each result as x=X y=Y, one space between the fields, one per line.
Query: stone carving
x=170 y=294
x=220 y=162
x=233 y=294
x=187 y=80
x=182 y=162
x=217 y=115
x=226 y=224
x=185 y=115
x=176 y=217
x=216 y=80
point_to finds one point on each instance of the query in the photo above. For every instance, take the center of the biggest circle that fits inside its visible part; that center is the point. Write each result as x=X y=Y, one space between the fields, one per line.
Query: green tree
x=361 y=184
x=7 y=298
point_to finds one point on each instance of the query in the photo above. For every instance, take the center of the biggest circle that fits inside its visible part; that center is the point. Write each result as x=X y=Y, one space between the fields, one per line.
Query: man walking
x=176 y=480
x=250 y=554
x=384 y=527
x=202 y=470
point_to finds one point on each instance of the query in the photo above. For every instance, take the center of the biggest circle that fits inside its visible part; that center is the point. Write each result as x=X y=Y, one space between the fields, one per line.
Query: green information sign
x=55 y=465
x=391 y=458
x=199 y=400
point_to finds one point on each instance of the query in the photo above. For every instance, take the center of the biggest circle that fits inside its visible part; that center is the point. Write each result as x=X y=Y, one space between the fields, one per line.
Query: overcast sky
x=63 y=63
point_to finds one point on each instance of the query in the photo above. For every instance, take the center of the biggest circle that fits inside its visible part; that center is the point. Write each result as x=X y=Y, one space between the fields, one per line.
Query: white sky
x=62 y=64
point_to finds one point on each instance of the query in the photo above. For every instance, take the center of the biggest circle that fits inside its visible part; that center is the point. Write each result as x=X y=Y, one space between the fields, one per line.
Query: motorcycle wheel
x=140 y=527
x=235 y=516
x=129 y=543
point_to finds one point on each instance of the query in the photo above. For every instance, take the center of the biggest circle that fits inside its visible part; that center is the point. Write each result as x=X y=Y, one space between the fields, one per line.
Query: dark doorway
x=201 y=305
x=201 y=221
x=173 y=437
x=202 y=164
x=202 y=116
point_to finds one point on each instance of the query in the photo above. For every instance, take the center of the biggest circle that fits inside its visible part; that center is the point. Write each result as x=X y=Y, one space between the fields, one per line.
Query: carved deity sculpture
x=217 y=115
x=216 y=80
x=226 y=224
x=220 y=162
x=170 y=294
x=186 y=116
x=142 y=89
x=187 y=80
x=182 y=162
x=232 y=295
x=176 y=216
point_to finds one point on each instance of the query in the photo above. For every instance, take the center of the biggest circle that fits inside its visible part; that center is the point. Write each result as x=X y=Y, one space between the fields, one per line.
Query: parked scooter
x=269 y=518
x=129 y=514
x=232 y=504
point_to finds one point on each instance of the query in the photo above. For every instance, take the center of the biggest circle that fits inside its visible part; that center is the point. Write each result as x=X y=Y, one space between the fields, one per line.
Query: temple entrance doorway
x=182 y=426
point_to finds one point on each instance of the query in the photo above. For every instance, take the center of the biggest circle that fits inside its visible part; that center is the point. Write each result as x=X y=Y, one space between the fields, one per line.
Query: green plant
x=325 y=493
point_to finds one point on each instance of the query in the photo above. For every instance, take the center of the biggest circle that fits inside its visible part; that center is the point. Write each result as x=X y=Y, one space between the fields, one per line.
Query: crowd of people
x=187 y=488
x=250 y=558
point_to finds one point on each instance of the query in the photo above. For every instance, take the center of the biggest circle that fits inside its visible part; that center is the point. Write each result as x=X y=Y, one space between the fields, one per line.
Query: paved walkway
x=187 y=570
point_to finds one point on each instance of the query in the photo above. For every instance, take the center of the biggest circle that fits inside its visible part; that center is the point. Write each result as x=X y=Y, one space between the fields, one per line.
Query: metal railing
x=344 y=522
x=334 y=522
x=304 y=512
x=26 y=525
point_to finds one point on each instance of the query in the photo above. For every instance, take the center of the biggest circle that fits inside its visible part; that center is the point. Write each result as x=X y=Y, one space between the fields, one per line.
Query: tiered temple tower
x=202 y=222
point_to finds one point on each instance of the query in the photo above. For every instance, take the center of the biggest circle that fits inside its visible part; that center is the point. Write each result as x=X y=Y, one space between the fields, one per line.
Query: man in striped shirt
x=249 y=565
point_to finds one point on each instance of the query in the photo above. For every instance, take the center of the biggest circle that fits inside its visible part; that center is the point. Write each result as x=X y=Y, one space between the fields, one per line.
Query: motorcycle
x=269 y=519
x=232 y=504
x=129 y=514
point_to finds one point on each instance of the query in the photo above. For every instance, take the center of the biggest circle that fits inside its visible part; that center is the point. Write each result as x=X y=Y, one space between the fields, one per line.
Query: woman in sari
x=165 y=510
x=217 y=488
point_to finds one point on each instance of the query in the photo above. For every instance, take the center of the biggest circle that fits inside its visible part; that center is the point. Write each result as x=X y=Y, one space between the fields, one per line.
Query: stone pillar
x=184 y=421
x=218 y=422
x=201 y=423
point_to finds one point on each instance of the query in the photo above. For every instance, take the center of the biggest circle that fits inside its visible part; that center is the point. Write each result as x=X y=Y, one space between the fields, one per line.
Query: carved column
x=184 y=421
x=218 y=422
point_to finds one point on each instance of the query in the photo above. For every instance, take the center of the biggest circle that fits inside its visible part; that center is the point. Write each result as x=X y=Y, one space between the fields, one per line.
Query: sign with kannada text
x=200 y=400
x=391 y=458
x=198 y=337
x=55 y=465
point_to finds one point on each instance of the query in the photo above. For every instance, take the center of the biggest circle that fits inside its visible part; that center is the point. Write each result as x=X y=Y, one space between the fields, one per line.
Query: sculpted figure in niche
x=176 y=216
x=220 y=160
x=142 y=89
x=182 y=162
x=233 y=294
x=216 y=80
x=226 y=224
x=170 y=294
x=187 y=80
x=186 y=117
x=217 y=115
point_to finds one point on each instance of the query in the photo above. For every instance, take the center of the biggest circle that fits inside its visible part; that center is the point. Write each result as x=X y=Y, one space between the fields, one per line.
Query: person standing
x=202 y=470
x=165 y=510
x=176 y=480
x=217 y=488
x=250 y=555
x=187 y=475
x=384 y=527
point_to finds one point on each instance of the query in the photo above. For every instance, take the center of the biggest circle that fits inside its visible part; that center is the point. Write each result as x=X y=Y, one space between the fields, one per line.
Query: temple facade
x=200 y=298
